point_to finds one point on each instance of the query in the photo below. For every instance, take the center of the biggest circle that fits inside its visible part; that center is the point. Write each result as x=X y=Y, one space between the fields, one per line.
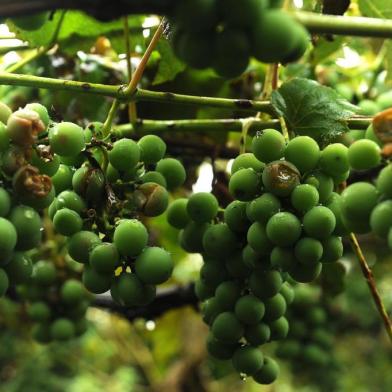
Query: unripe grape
x=5 y=202
x=244 y=184
x=282 y=258
x=384 y=181
x=211 y=309
x=305 y=273
x=80 y=245
x=275 y=307
x=288 y=293
x=258 y=239
x=5 y=113
x=4 y=138
x=323 y=183
x=72 y=292
x=104 y=258
x=41 y=333
x=364 y=154
x=8 y=236
x=319 y=222
x=219 y=350
x=67 y=222
x=39 y=311
x=235 y=216
x=62 y=179
x=249 y=310
x=130 y=237
x=62 y=329
x=279 y=328
x=247 y=161
x=213 y=273
x=227 y=294
x=19 y=269
x=268 y=373
x=262 y=208
x=251 y=258
x=152 y=148
x=191 y=238
x=244 y=14
x=44 y=273
x=371 y=135
x=4 y=282
x=257 y=334
x=153 y=176
x=67 y=139
x=202 y=207
x=203 y=291
x=95 y=282
x=177 y=214
x=308 y=250
x=283 y=229
x=334 y=204
x=127 y=290
x=265 y=284
x=248 y=360
x=124 y=155
x=303 y=152
x=236 y=267
x=280 y=178
x=71 y=200
x=268 y=145
x=381 y=218
x=304 y=197
x=219 y=240
x=227 y=328
x=334 y=159
x=173 y=171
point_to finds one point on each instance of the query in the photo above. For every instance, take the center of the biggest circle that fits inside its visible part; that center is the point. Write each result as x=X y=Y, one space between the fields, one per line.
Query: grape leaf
x=312 y=109
x=375 y=8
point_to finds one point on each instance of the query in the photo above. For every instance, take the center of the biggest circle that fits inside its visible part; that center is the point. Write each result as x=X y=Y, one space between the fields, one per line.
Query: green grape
x=67 y=139
x=127 y=290
x=4 y=282
x=301 y=44
x=242 y=14
x=279 y=328
x=381 y=218
x=44 y=273
x=316 y=316
x=268 y=145
x=384 y=100
x=371 y=135
x=248 y=360
x=384 y=181
x=323 y=183
x=308 y=250
x=332 y=249
x=227 y=294
x=153 y=176
x=81 y=244
x=124 y=155
x=89 y=183
x=39 y=311
x=218 y=349
x=152 y=148
x=257 y=334
x=288 y=293
x=20 y=268
x=191 y=238
x=323 y=338
x=67 y=222
x=251 y=258
x=151 y=199
x=258 y=239
x=368 y=107
x=364 y=154
x=104 y=258
x=71 y=200
x=334 y=204
x=8 y=237
x=334 y=159
x=62 y=329
x=5 y=202
x=235 y=216
x=280 y=178
x=203 y=291
x=219 y=240
x=319 y=222
x=78 y=310
x=31 y=22
x=265 y=284
x=72 y=292
x=5 y=113
x=95 y=282
x=62 y=179
x=227 y=328
x=213 y=273
x=130 y=237
x=268 y=373
x=340 y=178
x=112 y=175
x=46 y=166
x=244 y=184
x=249 y=310
x=282 y=258
x=236 y=267
x=304 y=197
x=75 y=161
x=211 y=309
x=289 y=349
x=41 y=111
x=154 y=265
x=4 y=138
x=41 y=333
x=263 y=208
x=283 y=229
x=173 y=171
x=202 y=207
x=247 y=161
x=305 y=273
x=275 y=307
x=177 y=214
x=314 y=355
x=298 y=329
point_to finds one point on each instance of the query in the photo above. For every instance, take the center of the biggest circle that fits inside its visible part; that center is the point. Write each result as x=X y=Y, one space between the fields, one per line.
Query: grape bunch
x=224 y=34
x=56 y=300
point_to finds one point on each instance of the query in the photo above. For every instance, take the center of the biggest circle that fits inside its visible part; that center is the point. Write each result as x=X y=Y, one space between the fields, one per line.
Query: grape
x=39 y=202
x=371 y=135
x=62 y=179
x=236 y=267
x=289 y=349
x=248 y=360
x=301 y=43
x=129 y=290
x=124 y=155
x=257 y=334
x=62 y=329
x=67 y=222
x=104 y=258
x=8 y=237
x=41 y=333
x=212 y=273
x=384 y=100
x=203 y=291
x=4 y=282
x=227 y=294
x=153 y=176
x=269 y=146
x=20 y=268
x=211 y=309
x=265 y=284
x=316 y=316
x=23 y=127
x=5 y=113
x=334 y=159
x=319 y=222
x=283 y=229
x=247 y=161
x=202 y=207
x=304 y=197
x=364 y=154
x=323 y=338
x=334 y=204
x=384 y=181
x=95 y=282
x=191 y=238
x=89 y=183
x=72 y=292
x=279 y=328
x=130 y=237
x=66 y=139
x=303 y=152
x=4 y=138
x=381 y=218
x=177 y=214
x=287 y=292
x=152 y=199
x=305 y=273
x=154 y=265
x=75 y=161
x=71 y=200
x=262 y=208
x=219 y=240
x=5 y=202
x=31 y=22
x=249 y=310
x=235 y=216
x=314 y=355
x=258 y=239
x=275 y=307
x=251 y=258
x=323 y=183
x=152 y=148
x=244 y=184
x=308 y=250
x=39 y=311
x=80 y=245
x=44 y=273
x=41 y=111
x=218 y=349
x=244 y=14
x=227 y=328
x=268 y=373
x=368 y=107
x=282 y=258
x=333 y=249
x=45 y=165
x=280 y=178
x=173 y=171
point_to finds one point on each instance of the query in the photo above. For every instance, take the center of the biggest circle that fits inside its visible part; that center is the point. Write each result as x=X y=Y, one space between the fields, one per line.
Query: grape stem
x=368 y=274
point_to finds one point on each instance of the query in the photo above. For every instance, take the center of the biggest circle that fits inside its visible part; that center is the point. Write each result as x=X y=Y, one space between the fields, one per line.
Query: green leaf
x=312 y=109
x=375 y=8
x=325 y=48
x=169 y=65
x=388 y=60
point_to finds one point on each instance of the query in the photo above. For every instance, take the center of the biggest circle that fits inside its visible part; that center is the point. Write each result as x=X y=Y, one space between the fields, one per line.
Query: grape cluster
x=224 y=34
x=57 y=301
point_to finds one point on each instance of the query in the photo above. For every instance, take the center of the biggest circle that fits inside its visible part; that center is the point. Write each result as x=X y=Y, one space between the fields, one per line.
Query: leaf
x=325 y=48
x=376 y=8
x=388 y=60
x=169 y=65
x=312 y=109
